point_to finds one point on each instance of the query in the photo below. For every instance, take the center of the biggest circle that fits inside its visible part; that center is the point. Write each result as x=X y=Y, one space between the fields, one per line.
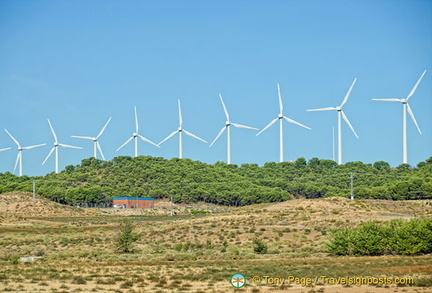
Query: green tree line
x=97 y=181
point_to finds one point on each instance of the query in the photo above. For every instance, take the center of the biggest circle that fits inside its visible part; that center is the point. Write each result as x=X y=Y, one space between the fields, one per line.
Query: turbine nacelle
x=96 y=145
x=406 y=108
x=342 y=115
x=135 y=136
x=179 y=131
x=227 y=124
x=280 y=117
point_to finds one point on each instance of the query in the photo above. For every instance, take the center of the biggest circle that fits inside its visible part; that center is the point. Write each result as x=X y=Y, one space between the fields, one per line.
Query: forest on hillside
x=97 y=181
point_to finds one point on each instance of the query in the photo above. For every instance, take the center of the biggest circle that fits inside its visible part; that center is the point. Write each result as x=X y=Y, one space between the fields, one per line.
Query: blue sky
x=80 y=62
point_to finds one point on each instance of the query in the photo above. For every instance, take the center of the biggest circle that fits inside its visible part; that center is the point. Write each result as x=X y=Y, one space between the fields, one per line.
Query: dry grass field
x=75 y=248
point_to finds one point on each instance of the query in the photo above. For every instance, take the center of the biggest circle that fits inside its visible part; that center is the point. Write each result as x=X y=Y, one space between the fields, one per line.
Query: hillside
x=20 y=205
x=97 y=182
x=199 y=253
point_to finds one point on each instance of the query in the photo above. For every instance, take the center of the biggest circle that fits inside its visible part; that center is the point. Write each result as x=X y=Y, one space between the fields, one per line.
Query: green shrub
x=259 y=246
x=126 y=236
x=395 y=237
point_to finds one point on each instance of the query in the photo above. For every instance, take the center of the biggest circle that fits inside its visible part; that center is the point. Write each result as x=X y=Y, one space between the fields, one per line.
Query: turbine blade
x=17 y=160
x=53 y=132
x=103 y=129
x=13 y=138
x=268 y=125
x=280 y=100
x=413 y=118
x=83 y=137
x=147 y=140
x=225 y=109
x=194 y=136
x=349 y=124
x=100 y=149
x=296 y=123
x=388 y=100
x=180 y=114
x=415 y=87
x=69 y=146
x=323 y=109
x=244 y=126
x=136 y=120
x=168 y=137
x=33 y=146
x=125 y=143
x=219 y=134
x=49 y=154
x=348 y=93
x=1 y=150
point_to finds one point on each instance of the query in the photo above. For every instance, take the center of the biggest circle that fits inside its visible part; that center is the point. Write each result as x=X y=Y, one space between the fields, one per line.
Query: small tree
x=126 y=236
x=259 y=246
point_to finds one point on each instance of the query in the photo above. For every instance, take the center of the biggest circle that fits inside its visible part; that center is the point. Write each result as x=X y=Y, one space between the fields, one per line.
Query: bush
x=259 y=246
x=126 y=237
x=395 y=237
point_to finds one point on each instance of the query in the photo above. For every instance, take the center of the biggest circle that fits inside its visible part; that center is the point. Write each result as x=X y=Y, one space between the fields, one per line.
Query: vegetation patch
x=373 y=238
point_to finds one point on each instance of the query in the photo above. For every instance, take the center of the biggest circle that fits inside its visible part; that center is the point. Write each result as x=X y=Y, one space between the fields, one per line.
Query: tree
x=127 y=237
x=381 y=165
x=300 y=162
x=259 y=246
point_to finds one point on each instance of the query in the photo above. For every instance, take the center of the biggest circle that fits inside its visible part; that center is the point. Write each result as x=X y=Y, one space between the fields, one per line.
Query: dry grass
x=197 y=253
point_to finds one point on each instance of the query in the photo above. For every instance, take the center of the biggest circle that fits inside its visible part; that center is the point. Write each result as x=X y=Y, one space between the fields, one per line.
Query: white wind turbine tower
x=180 y=130
x=340 y=114
x=135 y=136
x=20 y=149
x=406 y=107
x=96 y=145
x=55 y=148
x=228 y=123
x=280 y=118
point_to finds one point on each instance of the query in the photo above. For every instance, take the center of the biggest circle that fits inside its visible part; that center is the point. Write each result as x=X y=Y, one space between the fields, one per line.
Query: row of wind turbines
x=226 y=127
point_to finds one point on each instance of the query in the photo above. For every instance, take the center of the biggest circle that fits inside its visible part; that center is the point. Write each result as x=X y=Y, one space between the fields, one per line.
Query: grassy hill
x=199 y=253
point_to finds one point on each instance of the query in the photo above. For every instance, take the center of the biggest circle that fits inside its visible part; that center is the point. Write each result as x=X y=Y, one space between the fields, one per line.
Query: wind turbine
x=228 y=123
x=135 y=136
x=180 y=130
x=55 y=148
x=340 y=114
x=406 y=107
x=20 y=149
x=96 y=144
x=280 y=118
